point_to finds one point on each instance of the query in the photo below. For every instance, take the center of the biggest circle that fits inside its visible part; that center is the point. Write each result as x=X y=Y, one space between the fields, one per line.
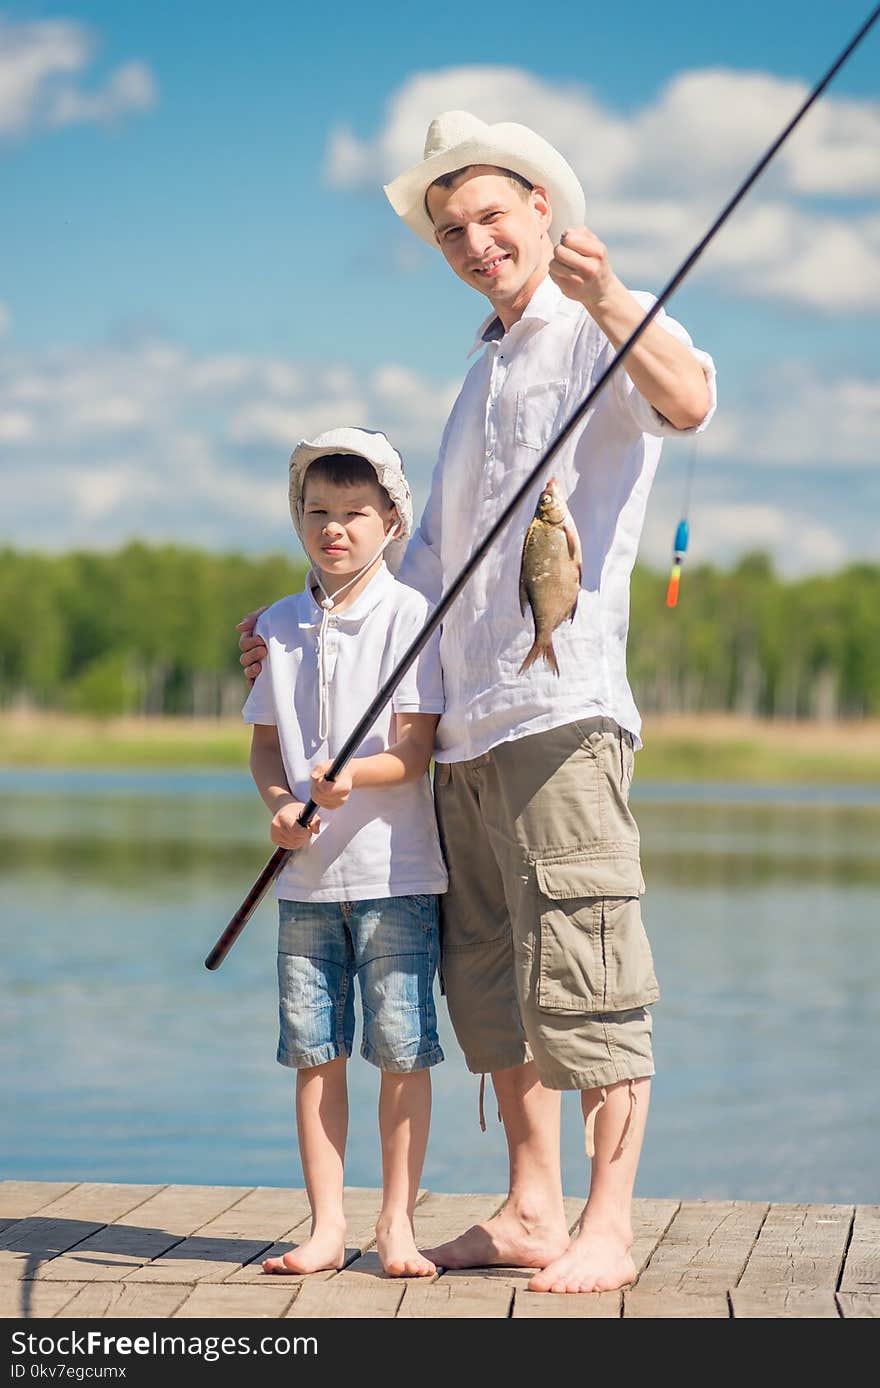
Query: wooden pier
x=83 y=1250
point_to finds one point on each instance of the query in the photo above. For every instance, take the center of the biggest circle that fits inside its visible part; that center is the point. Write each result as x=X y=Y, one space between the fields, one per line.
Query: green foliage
x=747 y=641
x=150 y=629
x=144 y=630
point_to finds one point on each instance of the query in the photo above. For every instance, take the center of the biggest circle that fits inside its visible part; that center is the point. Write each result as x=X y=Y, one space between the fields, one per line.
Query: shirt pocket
x=537 y=410
x=594 y=953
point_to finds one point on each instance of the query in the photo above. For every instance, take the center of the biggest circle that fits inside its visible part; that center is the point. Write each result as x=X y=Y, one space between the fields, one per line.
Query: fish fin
x=574 y=606
x=574 y=542
x=523 y=595
x=539 y=649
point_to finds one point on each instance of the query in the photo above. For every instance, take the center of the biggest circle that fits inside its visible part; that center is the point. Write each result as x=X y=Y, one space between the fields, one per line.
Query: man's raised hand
x=580 y=267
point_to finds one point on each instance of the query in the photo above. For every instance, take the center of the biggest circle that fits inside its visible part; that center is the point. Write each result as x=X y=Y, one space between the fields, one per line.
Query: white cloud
x=656 y=180
x=42 y=64
x=102 y=445
x=151 y=440
x=15 y=426
x=130 y=88
x=797 y=540
x=794 y=415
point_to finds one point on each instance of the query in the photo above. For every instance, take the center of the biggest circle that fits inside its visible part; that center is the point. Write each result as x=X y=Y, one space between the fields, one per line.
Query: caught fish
x=550 y=573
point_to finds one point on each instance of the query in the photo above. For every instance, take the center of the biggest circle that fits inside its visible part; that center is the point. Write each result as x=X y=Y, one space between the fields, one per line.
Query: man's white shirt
x=516 y=397
x=382 y=842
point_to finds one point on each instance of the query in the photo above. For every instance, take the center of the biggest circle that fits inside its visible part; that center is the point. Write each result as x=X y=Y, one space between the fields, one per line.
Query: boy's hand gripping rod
x=280 y=856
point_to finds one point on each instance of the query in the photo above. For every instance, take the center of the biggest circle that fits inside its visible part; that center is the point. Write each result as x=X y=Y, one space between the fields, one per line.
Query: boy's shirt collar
x=351 y=617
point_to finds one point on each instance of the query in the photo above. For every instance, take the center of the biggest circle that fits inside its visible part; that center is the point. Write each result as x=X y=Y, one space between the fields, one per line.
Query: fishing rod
x=280 y=856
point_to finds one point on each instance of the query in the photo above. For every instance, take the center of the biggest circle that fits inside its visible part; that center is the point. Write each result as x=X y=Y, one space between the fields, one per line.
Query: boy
x=358 y=895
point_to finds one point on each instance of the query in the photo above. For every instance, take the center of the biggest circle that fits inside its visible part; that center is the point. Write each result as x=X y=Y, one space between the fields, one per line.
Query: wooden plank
x=117 y=1301
x=651 y=1219
x=27 y=1300
x=160 y=1224
x=465 y=1298
x=199 y=1259
x=514 y=1277
x=859 y=1305
x=363 y=1298
x=861 y=1272
x=25 y=1247
x=669 y=1305
x=241 y=1233
x=438 y=1218
x=705 y=1247
x=108 y=1255
x=361 y=1211
x=441 y=1217
x=29 y=1245
x=800 y=1246
x=537 y=1305
x=18 y=1199
x=219 y=1301
x=783 y=1303
x=101 y=1202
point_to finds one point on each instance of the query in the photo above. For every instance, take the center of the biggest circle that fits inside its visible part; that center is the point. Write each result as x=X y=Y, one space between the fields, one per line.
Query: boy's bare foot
x=504 y=1241
x=396 y=1246
x=597 y=1260
x=324 y=1250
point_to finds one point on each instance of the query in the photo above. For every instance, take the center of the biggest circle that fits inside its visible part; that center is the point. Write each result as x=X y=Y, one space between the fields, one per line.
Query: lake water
x=123 y=1059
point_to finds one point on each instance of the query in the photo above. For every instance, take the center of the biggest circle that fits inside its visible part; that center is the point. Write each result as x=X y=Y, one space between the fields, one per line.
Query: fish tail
x=541 y=648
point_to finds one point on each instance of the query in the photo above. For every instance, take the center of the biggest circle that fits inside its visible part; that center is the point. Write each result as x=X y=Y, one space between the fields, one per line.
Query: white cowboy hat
x=457 y=139
x=388 y=465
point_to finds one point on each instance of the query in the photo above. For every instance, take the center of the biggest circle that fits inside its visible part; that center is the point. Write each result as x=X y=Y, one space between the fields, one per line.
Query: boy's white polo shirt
x=382 y=842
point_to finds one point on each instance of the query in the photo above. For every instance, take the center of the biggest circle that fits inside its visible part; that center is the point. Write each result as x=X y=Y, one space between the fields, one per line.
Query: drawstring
x=590 y=1129
x=630 y=1117
x=328 y=603
x=323 y=682
x=481 y=1105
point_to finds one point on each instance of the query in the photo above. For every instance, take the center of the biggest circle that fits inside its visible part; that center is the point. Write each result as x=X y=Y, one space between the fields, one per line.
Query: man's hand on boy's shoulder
x=330 y=795
x=253 y=648
x=286 y=832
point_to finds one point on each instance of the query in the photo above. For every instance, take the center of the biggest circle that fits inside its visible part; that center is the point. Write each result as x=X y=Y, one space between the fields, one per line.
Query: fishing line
x=280 y=856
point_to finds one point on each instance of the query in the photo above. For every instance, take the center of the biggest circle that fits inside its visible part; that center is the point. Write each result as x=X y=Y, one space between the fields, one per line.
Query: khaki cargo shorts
x=543 y=951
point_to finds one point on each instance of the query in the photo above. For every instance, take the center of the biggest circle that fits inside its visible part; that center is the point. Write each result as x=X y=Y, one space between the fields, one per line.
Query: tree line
x=149 y=630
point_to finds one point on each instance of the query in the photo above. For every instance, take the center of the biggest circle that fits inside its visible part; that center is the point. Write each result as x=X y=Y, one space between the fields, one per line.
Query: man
x=546 y=966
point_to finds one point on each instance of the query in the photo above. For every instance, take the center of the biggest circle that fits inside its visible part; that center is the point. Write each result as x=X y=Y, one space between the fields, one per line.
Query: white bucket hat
x=457 y=139
x=388 y=466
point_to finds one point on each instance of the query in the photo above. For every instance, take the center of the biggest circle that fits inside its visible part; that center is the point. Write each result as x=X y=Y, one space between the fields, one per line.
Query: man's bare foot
x=396 y=1246
x=596 y=1260
x=324 y=1250
x=504 y=1241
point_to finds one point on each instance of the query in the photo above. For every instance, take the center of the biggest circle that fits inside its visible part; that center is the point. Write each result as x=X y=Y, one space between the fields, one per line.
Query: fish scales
x=550 y=573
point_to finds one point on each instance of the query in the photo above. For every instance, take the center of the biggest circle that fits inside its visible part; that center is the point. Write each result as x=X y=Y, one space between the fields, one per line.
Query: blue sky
x=197 y=265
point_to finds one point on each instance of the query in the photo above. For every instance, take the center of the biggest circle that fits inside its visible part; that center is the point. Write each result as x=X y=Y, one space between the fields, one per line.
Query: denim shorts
x=392 y=945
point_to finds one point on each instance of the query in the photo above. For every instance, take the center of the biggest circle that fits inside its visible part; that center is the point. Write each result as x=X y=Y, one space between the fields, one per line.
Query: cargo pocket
x=594 y=953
